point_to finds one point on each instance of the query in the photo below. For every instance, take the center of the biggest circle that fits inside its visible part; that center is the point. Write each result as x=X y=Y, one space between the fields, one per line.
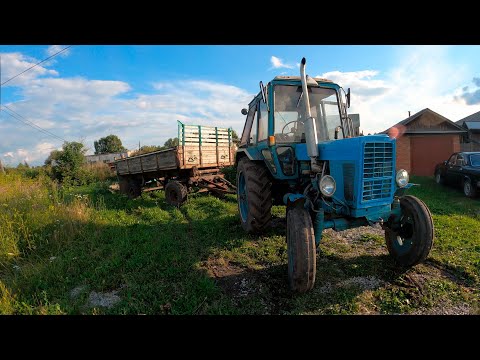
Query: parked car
x=461 y=169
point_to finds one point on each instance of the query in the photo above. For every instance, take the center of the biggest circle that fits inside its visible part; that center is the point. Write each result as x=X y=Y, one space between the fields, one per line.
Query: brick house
x=471 y=140
x=428 y=139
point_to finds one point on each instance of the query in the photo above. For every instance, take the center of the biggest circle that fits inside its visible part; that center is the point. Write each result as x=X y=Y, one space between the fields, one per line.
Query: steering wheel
x=294 y=121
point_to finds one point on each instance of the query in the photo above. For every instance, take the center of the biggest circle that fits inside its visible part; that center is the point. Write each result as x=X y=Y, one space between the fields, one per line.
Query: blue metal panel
x=301 y=152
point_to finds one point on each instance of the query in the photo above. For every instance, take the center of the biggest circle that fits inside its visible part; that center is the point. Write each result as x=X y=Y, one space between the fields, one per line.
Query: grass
x=58 y=247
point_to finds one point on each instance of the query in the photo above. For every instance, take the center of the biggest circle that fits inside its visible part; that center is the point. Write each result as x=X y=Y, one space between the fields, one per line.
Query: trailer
x=194 y=165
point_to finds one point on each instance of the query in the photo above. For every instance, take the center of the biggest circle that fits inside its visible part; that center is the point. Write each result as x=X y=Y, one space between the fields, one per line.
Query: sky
x=139 y=92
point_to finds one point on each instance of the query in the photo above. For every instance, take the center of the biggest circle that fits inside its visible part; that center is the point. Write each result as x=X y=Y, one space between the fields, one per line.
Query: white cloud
x=277 y=63
x=81 y=109
x=423 y=77
x=15 y=63
x=53 y=49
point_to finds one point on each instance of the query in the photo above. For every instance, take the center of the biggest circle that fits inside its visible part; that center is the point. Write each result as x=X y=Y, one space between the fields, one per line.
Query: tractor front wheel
x=410 y=243
x=254 y=196
x=302 y=258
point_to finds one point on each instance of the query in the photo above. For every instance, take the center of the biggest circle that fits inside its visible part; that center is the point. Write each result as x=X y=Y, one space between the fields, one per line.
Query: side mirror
x=348 y=98
x=445 y=162
x=244 y=111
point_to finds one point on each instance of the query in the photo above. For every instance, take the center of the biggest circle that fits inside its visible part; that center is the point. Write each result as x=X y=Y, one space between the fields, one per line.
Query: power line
x=31 y=67
x=19 y=117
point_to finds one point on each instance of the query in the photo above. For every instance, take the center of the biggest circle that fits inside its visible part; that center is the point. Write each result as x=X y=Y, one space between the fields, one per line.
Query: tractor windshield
x=289 y=113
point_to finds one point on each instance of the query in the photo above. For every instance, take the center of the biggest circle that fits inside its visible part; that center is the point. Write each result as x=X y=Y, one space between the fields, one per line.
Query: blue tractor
x=300 y=148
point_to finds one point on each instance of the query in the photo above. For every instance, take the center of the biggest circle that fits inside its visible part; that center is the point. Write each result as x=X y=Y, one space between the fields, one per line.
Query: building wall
x=471 y=146
x=403 y=153
x=105 y=158
x=426 y=151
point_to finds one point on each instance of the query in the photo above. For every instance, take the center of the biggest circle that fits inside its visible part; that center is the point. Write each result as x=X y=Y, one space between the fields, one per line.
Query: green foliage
x=68 y=166
x=146 y=149
x=235 y=138
x=230 y=174
x=198 y=260
x=54 y=155
x=108 y=145
x=170 y=143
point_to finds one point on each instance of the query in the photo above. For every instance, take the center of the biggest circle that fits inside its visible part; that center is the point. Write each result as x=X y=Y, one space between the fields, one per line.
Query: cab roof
x=298 y=78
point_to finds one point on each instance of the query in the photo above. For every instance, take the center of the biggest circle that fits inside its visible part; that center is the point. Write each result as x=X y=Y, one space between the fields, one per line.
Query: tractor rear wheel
x=254 y=196
x=410 y=244
x=175 y=193
x=302 y=257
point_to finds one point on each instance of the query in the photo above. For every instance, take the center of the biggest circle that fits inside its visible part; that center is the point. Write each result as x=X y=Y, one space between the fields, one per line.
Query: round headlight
x=327 y=185
x=402 y=178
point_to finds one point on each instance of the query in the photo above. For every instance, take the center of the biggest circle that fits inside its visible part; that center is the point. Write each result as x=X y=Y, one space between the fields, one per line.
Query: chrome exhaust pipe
x=310 y=123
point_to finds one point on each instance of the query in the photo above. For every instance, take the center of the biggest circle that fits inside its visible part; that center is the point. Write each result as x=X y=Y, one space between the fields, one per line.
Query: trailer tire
x=254 y=196
x=175 y=193
x=302 y=257
x=134 y=189
x=411 y=244
x=123 y=184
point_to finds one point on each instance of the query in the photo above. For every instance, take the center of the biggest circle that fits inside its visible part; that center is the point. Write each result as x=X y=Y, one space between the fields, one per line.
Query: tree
x=108 y=145
x=170 y=143
x=69 y=162
x=235 y=138
x=54 y=155
x=146 y=149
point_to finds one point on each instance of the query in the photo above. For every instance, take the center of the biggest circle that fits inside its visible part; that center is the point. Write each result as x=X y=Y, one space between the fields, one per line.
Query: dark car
x=461 y=169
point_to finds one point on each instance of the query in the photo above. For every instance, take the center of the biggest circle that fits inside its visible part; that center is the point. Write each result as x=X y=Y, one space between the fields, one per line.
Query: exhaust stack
x=310 y=124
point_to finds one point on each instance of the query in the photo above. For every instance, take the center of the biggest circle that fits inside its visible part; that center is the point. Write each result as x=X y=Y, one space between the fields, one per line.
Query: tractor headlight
x=327 y=185
x=402 y=178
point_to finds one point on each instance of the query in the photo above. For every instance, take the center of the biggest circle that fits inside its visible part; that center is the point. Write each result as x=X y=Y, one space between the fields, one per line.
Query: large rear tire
x=254 y=196
x=175 y=193
x=302 y=258
x=411 y=243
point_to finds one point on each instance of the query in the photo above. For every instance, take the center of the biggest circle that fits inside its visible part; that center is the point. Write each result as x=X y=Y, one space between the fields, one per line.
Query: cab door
x=449 y=169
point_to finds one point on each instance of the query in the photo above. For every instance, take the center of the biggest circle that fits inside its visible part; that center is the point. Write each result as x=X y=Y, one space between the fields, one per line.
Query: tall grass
x=34 y=215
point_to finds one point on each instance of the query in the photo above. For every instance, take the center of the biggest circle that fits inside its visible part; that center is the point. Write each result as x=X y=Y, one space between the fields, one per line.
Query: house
x=428 y=139
x=471 y=140
x=105 y=158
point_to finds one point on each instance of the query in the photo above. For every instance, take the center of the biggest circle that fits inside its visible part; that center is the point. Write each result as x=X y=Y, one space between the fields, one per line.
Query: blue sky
x=138 y=92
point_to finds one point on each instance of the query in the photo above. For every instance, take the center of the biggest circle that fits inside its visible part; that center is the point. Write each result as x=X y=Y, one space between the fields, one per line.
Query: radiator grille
x=348 y=181
x=377 y=171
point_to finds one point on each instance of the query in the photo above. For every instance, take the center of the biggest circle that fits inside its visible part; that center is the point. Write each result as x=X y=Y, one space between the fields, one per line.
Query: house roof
x=473 y=117
x=455 y=128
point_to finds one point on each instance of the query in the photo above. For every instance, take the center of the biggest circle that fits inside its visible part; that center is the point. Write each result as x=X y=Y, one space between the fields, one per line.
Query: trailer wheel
x=134 y=189
x=411 y=243
x=123 y=184
x=175 y=193
x=254 y=196
x=302 y=259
